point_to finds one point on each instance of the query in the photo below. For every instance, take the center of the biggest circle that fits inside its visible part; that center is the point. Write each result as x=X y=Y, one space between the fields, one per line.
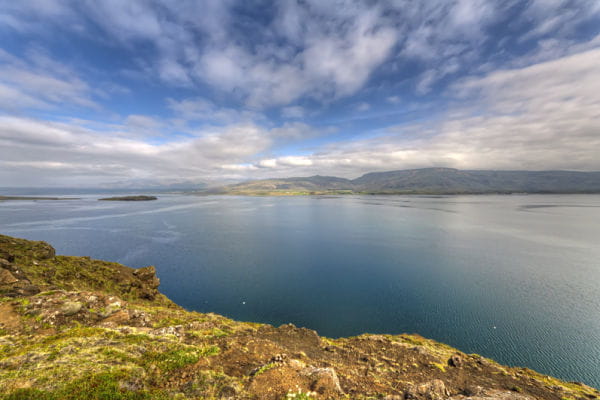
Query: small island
x=129 y=198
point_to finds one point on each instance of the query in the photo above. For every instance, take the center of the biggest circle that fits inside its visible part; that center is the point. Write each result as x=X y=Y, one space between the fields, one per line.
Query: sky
x=118 y=93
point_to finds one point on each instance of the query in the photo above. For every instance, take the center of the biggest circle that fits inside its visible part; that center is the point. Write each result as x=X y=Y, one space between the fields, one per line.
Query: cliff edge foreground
x=77 y=328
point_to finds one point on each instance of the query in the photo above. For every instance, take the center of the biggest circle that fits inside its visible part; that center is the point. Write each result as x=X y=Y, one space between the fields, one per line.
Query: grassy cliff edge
x=78 y=328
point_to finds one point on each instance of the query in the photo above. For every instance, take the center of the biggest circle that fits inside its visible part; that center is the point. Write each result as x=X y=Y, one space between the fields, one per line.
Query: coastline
x=74 y=322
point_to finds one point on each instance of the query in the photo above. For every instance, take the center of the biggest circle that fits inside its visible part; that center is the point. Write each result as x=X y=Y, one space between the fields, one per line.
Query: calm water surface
x=515 y=278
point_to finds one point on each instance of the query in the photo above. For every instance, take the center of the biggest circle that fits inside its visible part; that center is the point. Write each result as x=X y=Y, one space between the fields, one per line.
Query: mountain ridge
x=427 y=181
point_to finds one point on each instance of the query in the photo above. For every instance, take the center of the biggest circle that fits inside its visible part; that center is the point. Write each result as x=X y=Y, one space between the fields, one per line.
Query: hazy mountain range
x=427 y=181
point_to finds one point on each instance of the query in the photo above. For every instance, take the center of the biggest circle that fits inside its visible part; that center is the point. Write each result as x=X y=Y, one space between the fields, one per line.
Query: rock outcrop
x=73 y=327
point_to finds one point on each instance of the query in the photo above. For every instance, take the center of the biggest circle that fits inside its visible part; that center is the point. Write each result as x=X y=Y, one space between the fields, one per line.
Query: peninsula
x=79 y=328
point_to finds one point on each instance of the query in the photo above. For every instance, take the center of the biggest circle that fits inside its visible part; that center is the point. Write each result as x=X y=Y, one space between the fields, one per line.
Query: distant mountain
x=428 y=181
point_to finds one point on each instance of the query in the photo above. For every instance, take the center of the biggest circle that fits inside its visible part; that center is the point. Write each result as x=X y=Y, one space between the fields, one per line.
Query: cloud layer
x=213 y=90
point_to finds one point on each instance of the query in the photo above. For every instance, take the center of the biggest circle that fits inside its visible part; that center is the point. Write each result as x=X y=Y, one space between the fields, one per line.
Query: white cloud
x=172 y=71
x=201 y=109
x=40 y=82
x=543 y=116
x=295 y=131
x=328 y=52
x=328 y=67
x=316 y=49
x=143 y=126
x=558 y=17
x=529 y=114
x=363 y=106
x=108 y=156
x=310 y=49
x=293 y=112
x=12 y=99
x=268 y=163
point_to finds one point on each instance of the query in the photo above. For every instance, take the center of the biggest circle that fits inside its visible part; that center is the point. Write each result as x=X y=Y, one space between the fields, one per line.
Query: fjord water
x=514 y=278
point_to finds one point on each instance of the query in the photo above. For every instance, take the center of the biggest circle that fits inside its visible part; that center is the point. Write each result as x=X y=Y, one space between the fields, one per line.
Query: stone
x=118 y=318
x=6 y=278
x=23 y=289
x=228 y=392
x=279 y=358
x=472 y=391
x=323 y=380
x=5 y=255
x=71 y=308
x=92 y=299
x=148 y=282
x=146 y=273
x=500 y=395
x=420 y=350
x=432 y=390
x=455 y=360
x=43 y=250
x=176 y=330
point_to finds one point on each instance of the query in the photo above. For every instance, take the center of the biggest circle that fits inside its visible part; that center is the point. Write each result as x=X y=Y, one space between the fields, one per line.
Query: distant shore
x=129 y=198
x=36 y=198
x=284 y=193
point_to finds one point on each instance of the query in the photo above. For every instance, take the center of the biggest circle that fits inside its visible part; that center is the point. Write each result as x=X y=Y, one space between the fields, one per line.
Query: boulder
x=71 y=308
x=6 y=278
x=5 y=255
x=455 y=360
x=432 y=390
x=323 y=380
x=43 y=251
x=495 y=395
x=147 y=274
x=148 y=282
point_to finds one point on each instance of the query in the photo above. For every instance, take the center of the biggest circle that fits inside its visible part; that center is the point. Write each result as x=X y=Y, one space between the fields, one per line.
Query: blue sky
x=115 y=92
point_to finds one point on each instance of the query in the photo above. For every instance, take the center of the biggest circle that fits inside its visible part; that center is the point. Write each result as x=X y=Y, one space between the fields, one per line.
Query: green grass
x=300 y=395
x=169 y=321
x=439 y=366
x=265 y=368
x=178 y=358
x=104 y=386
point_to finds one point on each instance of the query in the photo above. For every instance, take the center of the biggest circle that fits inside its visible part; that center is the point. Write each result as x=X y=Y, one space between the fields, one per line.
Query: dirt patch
x=9 y=319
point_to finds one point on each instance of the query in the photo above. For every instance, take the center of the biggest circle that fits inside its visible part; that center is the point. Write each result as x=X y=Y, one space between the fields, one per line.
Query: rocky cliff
x=77 y=328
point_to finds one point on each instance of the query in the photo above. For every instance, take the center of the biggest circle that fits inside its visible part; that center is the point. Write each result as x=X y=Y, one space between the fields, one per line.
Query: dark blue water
x=515 y=278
